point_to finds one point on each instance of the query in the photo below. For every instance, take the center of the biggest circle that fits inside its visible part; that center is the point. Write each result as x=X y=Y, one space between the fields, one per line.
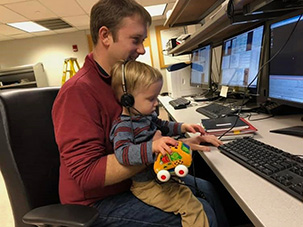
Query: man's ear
x=105 y=36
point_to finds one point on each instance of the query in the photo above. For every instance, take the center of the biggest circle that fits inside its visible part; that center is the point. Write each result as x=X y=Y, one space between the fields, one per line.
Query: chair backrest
x=29 y=157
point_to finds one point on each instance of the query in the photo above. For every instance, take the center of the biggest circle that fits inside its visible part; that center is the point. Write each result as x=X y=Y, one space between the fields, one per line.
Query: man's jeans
x=126 y=210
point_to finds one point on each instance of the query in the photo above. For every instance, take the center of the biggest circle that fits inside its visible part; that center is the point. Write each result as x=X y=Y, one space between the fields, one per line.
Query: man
x=83 y=113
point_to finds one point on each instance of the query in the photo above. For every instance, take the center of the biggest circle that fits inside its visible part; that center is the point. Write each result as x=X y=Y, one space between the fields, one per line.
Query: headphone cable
x=131 y=124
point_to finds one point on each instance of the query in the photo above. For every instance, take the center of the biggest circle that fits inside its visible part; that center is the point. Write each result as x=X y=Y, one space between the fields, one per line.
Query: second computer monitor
x=201 y=67
x=286 y=64
x=240 y=63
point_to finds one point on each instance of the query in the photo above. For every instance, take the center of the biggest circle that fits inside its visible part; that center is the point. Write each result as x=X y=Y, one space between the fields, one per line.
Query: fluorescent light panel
x=28 y=26
x=156 y=10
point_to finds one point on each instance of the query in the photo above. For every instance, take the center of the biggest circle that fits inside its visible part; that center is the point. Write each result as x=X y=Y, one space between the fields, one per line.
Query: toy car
x=177 y=162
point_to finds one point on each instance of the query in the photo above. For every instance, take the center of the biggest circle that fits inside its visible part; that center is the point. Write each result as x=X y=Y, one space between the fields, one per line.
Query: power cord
x=275 y=55
x=230 y=9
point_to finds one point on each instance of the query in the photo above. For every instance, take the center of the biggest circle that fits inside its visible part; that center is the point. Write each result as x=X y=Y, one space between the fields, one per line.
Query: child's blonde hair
x=137 y=75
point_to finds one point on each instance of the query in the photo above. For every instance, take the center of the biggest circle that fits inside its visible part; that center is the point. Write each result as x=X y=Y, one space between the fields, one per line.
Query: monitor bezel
x=269 y=23
x=204 y=86
x=244 y=89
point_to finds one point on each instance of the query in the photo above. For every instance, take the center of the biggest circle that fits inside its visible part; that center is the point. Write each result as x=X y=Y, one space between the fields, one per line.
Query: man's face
x=129 y=39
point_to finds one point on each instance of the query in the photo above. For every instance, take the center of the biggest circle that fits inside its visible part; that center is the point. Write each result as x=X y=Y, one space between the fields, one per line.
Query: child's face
x=146 y=98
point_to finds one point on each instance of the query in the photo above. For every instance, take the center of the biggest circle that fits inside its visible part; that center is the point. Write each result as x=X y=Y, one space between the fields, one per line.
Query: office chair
x=29 y=161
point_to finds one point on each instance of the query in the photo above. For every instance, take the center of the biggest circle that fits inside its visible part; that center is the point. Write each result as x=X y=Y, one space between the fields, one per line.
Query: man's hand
x=196 y=143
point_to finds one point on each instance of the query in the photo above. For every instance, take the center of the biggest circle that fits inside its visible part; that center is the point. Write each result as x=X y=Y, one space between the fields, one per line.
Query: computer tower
x=178 y=81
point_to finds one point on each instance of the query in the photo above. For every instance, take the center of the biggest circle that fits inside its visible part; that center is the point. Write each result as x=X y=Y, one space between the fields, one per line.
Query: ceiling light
x=168 y=13
x=28 y=26
x=156 y=10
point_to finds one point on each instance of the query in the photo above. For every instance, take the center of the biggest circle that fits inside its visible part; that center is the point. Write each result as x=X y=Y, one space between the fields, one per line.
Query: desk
x=263 y=203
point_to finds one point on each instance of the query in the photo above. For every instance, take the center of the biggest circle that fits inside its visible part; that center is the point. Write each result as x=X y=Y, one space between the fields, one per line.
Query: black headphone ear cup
x=127 y=100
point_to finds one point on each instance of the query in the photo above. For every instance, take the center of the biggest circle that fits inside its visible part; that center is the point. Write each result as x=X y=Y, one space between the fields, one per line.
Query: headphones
x=127 y=100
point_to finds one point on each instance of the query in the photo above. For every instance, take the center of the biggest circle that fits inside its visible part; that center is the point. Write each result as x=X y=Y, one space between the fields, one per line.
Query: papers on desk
x=218 y=126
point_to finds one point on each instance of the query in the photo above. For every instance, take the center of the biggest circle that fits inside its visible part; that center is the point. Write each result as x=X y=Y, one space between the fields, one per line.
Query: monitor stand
x=294 y=131
x=209 y=95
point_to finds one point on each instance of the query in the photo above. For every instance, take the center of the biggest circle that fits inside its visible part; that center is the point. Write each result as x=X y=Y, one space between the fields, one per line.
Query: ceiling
x=74 y=12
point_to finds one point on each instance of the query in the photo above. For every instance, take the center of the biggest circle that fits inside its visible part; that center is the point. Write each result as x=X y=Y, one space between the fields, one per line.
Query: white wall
x=49 y=50
x=53 y=49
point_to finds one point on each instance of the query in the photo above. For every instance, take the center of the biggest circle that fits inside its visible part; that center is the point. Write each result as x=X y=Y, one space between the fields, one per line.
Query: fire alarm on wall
x=75 y=48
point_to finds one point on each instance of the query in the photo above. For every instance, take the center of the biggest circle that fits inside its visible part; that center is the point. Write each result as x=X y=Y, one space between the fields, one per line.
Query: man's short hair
x=110 y=13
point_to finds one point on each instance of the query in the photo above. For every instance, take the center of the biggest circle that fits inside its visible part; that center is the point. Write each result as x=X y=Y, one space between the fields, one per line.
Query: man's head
x=118 y=29
x=142 y=81
x=110 y=13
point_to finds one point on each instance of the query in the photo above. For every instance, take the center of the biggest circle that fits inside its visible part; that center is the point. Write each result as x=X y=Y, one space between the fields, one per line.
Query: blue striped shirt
x=133 y=141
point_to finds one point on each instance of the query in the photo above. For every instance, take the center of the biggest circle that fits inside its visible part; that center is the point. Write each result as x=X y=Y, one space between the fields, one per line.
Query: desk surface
x=264 y=203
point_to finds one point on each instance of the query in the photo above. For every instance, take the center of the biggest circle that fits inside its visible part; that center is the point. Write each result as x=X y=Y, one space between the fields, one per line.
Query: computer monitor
x=285 y=83
x=240 y=62
x=201 y=67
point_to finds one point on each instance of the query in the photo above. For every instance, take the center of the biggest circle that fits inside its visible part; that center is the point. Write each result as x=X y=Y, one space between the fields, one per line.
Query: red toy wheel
x=181 y=170
x=163 y=175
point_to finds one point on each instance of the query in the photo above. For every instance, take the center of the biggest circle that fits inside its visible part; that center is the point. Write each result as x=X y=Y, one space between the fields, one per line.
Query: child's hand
x=193 y=128
x=162 y=144
x=157 y=135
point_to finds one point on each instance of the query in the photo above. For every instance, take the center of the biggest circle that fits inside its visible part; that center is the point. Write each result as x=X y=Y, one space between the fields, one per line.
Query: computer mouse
x=164 y=94
x=206 y=144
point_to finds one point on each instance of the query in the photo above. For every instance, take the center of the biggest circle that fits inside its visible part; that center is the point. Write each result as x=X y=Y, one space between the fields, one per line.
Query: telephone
x=274 y=108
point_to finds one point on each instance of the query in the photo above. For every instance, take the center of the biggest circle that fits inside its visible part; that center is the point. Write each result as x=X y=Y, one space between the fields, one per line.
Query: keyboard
x=277 y=166
x=215 y=110
x=179 y=103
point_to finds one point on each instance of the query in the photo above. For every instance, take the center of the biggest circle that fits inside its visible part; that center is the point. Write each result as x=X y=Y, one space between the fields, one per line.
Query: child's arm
x=128 y=153
x=176 y=128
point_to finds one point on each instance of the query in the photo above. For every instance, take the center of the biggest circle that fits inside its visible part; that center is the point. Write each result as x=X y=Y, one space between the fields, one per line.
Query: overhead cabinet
x=216 y=20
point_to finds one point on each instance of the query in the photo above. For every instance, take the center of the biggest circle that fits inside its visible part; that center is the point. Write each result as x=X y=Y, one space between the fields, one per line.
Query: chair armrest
x=61 y=215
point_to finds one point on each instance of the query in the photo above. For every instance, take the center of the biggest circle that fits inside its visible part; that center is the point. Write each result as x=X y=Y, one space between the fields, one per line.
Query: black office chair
x=29 y=161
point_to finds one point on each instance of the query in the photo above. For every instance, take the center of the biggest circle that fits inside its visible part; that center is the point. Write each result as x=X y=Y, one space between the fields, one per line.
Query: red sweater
x=83 y=113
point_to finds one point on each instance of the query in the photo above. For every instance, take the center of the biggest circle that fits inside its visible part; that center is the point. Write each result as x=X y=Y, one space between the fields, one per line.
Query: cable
x=235 y=123
x=198 y=193
x=131 y=124
x=230 y=9
x=164 y=129
x=278 y=52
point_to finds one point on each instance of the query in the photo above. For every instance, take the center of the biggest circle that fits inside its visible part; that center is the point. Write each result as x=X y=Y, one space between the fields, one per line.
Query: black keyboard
x=179 y=103
x=277 y=166
x=215 y=110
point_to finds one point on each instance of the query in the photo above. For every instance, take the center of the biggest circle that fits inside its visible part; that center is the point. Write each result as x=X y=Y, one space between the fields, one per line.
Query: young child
x=137 y=141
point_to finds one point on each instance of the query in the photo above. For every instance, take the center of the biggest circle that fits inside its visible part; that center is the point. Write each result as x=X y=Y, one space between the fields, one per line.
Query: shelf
x=19 y=85
x=186 y=12
x=214 y=30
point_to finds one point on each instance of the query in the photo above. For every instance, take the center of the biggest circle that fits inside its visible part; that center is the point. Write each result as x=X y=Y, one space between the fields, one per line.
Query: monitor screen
x=286 y=69
x=201 y=67
x=241 y=59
